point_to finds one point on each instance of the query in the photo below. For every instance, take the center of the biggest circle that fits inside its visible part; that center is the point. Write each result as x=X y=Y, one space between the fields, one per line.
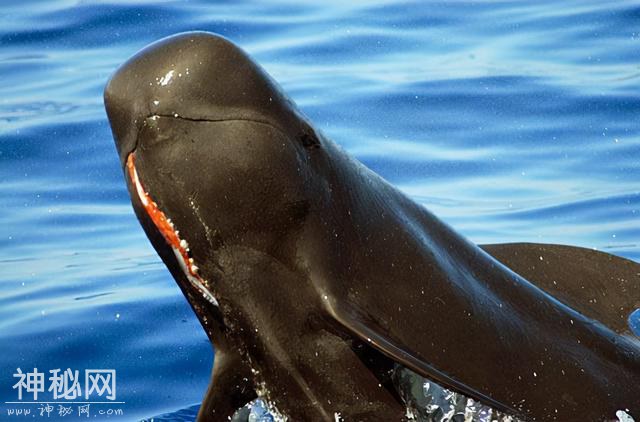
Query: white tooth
x=190 y=260
x=194 y=269
x=184 y=244
x=177 y=232
x=169 y=221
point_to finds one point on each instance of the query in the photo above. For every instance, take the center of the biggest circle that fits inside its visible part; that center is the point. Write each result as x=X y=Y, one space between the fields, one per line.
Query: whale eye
x=634 y=322
x=309 y=141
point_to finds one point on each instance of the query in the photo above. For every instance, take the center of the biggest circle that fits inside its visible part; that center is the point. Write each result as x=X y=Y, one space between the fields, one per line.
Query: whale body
x=314 y=277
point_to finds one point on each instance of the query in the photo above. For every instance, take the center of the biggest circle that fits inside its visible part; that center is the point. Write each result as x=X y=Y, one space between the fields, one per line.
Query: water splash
x=634 y=322
x=430 y=402
x=624 y=416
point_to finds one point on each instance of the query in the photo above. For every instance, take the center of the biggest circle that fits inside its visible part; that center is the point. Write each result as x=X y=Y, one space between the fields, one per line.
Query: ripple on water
x=512 y=121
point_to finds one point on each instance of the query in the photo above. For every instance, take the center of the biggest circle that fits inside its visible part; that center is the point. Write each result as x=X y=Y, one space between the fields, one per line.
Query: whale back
x=599 y=285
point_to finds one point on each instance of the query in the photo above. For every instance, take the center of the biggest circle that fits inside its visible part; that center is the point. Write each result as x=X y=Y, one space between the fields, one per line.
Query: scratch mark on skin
x=196 y=212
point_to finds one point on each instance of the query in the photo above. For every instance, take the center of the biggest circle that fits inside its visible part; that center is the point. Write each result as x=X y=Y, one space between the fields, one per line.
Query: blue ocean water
x=511 y=120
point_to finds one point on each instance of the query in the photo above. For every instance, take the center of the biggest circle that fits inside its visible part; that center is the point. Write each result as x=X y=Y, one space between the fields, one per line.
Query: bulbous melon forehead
x=194 y=75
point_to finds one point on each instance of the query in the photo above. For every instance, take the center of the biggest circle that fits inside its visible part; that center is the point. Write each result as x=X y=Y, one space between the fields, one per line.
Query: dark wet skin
x=326 y=275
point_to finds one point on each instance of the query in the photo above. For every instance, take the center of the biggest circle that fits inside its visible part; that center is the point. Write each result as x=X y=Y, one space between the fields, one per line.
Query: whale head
x=214 y=154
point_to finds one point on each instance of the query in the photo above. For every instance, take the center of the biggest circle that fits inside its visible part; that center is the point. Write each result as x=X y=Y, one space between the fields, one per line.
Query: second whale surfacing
x=313 y=276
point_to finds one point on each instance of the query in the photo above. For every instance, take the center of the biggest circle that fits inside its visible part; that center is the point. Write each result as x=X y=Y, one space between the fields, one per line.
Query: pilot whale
x=313 y=276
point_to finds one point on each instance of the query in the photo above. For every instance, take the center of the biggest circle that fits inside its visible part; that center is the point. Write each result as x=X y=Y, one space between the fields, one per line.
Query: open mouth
x=170 y=233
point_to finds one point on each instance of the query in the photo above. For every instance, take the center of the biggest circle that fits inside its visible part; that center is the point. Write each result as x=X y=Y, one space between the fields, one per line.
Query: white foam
x=624 y=416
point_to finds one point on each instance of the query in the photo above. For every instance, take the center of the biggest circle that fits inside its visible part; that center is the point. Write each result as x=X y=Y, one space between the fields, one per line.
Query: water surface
x=512 y=121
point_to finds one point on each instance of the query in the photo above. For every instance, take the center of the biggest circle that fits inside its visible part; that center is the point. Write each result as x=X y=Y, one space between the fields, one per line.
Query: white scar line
x=166 y=227
x=194 y=281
